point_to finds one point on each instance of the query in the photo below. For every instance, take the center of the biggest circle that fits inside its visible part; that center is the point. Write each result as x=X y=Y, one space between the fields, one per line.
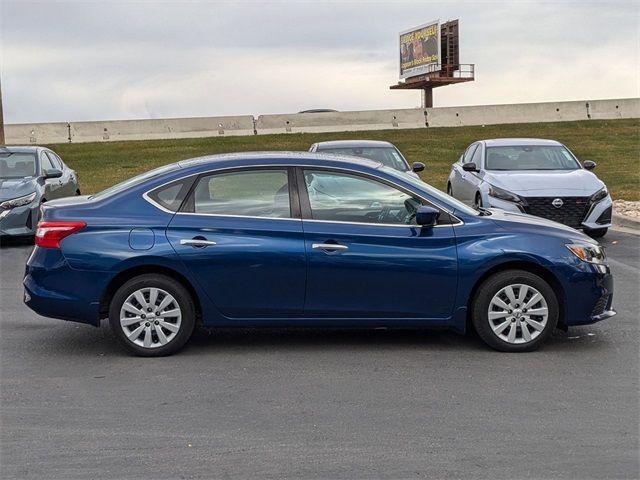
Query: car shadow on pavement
x=9 y=242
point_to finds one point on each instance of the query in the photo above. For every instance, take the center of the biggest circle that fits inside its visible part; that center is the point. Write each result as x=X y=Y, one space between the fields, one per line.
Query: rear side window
x=172 y=195
x=251 y=193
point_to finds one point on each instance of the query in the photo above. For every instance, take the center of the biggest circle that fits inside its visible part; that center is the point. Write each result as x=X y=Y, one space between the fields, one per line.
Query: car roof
x=513 y=142
x=354 y=144
x=21 y=148
x=293 y=158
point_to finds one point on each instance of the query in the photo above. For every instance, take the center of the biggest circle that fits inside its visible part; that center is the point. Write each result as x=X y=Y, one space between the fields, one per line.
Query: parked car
x=539 y=177
x=297 y=239
x=30 y=176
x=383 y=152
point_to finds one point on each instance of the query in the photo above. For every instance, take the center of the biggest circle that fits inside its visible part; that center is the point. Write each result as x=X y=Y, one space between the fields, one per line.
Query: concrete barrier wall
x=320 y=122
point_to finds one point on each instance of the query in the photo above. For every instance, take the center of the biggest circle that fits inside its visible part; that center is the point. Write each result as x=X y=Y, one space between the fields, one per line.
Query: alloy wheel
x=518 y=313
x=150 y=317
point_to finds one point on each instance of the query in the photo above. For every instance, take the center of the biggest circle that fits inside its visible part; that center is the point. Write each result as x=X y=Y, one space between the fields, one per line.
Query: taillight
x=49 y=234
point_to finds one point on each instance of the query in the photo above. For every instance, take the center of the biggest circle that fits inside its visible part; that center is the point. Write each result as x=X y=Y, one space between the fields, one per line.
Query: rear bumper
x=53 y=289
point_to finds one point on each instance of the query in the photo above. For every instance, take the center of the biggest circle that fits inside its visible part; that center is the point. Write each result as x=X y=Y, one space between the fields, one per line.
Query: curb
x=625 y=221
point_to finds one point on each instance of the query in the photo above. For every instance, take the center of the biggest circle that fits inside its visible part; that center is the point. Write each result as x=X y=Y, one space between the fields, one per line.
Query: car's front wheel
x=152 y=315
x=515 y=311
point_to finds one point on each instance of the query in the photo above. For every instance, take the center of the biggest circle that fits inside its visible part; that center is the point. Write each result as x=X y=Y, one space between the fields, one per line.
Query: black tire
x=449 y=190
x=596 y=232
x=181 y=297
x=78 y=193
x=477 y=203
x=490 y=288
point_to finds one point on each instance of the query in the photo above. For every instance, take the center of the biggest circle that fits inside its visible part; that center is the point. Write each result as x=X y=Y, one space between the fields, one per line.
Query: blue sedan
x=300 y=239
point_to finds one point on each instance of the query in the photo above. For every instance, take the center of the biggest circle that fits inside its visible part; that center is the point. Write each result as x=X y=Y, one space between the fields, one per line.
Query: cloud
x=70 y=61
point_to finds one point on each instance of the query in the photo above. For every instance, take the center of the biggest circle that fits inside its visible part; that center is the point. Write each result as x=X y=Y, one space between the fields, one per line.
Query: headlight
x=504 y=194
x=18 y=202
x=599 y=195
x=588 y=253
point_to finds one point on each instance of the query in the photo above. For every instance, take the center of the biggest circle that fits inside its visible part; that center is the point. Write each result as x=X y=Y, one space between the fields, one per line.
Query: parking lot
x=319 y=403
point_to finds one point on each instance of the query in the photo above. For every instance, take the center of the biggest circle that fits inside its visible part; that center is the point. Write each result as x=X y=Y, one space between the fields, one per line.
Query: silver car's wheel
x=150 y=317
x=518 y=313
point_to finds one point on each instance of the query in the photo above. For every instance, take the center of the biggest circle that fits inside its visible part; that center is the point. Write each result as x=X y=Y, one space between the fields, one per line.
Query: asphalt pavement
x=319 y=404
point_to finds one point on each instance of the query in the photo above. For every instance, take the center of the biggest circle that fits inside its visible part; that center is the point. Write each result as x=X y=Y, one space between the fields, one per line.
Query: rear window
x=135 y=181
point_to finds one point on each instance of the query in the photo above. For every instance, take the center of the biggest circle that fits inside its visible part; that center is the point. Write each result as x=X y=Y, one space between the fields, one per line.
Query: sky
x=111 y=59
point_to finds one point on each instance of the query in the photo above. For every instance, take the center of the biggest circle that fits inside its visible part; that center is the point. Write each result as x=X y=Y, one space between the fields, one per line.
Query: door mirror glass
x=470 y=167
x=417 y=167
x=52 y=173
x=427 y=216
x=589 y=164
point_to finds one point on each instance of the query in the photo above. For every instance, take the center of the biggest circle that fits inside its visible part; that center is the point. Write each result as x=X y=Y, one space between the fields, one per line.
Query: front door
x=241 y=240
x=366 y=256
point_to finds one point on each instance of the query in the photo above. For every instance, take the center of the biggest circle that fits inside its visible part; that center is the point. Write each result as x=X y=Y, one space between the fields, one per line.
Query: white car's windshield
x=17 y=165
x=388 y=156
x=530 y=157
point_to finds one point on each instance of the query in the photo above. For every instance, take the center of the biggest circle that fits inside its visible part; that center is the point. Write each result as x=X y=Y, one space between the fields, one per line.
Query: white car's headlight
x=504 y=194
x=588 y=253
x=18 y=202
x=599 y=195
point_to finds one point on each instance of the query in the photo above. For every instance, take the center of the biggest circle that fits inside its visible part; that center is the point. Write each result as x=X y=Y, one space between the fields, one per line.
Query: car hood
x=511 y=219
x=546 y=183
x=16 y=187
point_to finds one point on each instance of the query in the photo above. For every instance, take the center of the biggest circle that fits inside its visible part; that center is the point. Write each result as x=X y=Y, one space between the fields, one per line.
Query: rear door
x=240 y=235
x=366 y=256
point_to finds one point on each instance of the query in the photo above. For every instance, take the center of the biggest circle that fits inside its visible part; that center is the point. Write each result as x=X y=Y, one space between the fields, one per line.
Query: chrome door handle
x=329 y=246
x=196 y=242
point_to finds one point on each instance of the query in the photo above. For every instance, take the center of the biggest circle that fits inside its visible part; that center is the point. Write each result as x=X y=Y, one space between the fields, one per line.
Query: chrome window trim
x=145 y=195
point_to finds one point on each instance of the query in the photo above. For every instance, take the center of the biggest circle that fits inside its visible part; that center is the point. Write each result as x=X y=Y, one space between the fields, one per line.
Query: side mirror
x=52 y=173
x=589 y=164
x=417 y=167
x=427 y=216
x=470 y=167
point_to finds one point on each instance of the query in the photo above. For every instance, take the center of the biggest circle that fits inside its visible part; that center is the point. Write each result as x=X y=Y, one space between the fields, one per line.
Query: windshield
x=133 y=181
x=17 y=165
x=443 y=198
x=530 y=157
x=388 y=156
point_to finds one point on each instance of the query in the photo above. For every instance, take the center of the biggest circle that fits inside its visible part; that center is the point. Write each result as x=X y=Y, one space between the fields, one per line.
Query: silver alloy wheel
x=150 y=317
x=518 y=313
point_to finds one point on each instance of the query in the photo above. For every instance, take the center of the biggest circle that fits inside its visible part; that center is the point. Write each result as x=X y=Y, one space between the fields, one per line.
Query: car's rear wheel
x=515 y=311
x=596 y=232
x=152 y=315
x=449 y=189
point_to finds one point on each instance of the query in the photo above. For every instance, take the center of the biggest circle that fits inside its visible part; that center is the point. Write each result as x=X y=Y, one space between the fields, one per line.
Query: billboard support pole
x=427 y=97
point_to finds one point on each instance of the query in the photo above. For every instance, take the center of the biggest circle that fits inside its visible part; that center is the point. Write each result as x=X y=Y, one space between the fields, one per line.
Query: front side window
x=17 y=165
x=469 y=153
x=45 y=162
x=341 y=197
x=255 y=193
x=530 y=157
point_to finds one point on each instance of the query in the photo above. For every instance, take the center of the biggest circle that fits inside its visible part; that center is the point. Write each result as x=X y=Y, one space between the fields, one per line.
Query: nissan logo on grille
x=557 y=202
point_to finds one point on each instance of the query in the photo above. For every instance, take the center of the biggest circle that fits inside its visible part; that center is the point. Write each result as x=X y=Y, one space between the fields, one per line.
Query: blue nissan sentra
x=299 y=239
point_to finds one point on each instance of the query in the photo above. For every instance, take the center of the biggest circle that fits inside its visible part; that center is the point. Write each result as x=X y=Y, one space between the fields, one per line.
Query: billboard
x=420 y=50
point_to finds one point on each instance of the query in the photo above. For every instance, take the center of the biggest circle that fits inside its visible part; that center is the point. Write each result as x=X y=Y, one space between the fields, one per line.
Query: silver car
x=28 y=177
x=384 y=152
x=538 y=177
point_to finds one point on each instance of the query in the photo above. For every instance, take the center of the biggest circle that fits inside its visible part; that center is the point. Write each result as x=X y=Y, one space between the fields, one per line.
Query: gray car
x=384 y=152
x=538 y=177
x=30 y=176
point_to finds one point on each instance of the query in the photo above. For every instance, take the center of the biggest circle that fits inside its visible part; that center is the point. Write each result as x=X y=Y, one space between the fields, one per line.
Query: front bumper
x=596 y=216
x=19 y=220
x=588 y=294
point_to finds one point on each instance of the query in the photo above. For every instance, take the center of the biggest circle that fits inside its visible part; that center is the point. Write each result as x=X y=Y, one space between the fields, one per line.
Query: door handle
x=197 y=242
x=335 y=247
